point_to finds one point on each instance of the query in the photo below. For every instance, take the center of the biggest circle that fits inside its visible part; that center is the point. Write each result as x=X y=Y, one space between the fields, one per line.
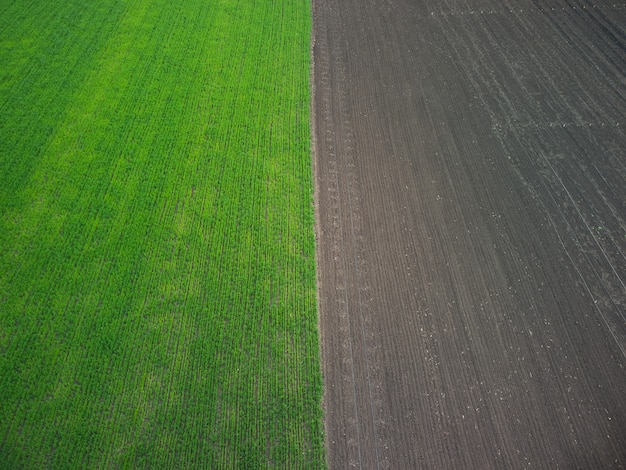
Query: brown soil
x=471 y=208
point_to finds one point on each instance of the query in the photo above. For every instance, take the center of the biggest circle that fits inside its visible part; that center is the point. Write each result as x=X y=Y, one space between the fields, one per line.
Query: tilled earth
x=470 y=165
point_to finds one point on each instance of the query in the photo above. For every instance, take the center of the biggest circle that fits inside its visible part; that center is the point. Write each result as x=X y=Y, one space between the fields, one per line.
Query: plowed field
x=471 y=209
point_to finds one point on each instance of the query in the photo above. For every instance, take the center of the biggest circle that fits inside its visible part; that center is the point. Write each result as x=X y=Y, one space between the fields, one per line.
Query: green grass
x=157 y=267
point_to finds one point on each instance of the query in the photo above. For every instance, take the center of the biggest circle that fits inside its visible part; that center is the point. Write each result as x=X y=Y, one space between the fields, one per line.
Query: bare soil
x=471 y=206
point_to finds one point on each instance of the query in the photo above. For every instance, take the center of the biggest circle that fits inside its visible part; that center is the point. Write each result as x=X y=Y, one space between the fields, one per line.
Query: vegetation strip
x=157 y=271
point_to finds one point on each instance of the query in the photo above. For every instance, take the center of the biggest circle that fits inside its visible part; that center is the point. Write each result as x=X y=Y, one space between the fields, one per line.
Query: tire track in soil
x=471 y=214
x=347 y=292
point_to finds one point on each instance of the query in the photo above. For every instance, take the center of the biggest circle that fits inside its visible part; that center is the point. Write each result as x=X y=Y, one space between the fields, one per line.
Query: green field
x=157 y=253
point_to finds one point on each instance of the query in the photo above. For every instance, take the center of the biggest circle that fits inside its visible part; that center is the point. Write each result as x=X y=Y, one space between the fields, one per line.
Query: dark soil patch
x=471 y=205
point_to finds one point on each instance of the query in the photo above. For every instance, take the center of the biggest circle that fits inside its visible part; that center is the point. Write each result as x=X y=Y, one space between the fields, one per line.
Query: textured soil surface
x=471 y=205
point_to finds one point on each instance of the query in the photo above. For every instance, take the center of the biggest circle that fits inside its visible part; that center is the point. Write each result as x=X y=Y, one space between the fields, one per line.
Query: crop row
x=157 y=276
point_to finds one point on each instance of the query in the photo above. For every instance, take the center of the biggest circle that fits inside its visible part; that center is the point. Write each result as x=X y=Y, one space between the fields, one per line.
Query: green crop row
x=157 y=270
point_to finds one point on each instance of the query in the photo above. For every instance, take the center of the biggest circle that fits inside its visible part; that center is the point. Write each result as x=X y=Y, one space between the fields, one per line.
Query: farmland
x=157 y=262
x=471 y=187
